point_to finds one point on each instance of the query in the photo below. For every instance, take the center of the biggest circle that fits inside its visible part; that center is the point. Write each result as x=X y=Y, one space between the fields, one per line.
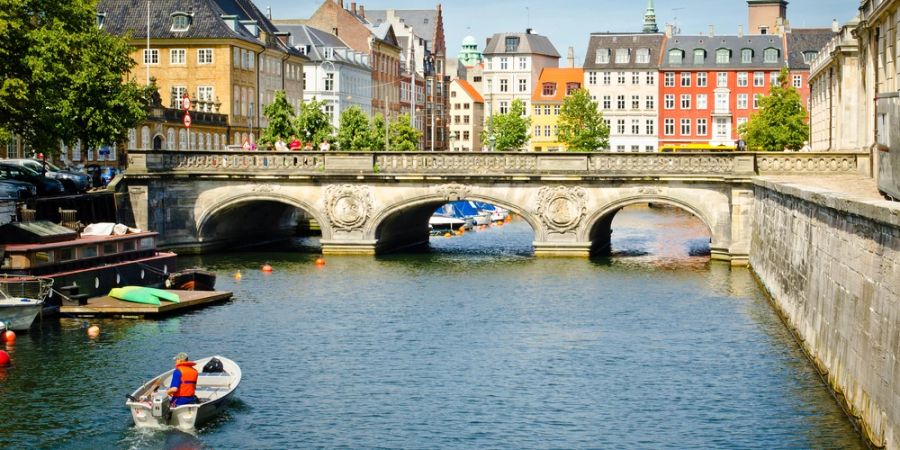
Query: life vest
x=188 y=379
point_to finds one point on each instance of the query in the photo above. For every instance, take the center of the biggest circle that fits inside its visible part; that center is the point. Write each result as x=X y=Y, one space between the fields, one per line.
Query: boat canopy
x=37 y=232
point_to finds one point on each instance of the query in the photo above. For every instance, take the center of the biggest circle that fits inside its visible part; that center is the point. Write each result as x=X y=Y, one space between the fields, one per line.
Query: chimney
x=740 y=31
x=834 y=26
x=571 y=57
x=670 y=30
x=269 y=12
x=528 y=31
x=712 y=30
x=362 y=11
x=353 y=7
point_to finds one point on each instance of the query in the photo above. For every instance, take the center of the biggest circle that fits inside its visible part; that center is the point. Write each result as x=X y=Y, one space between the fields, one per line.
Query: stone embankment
x=831 y=263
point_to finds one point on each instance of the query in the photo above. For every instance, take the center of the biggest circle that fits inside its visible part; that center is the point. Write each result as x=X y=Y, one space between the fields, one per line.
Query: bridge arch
x=274 y=212
x=598 y=226
x=404 y=223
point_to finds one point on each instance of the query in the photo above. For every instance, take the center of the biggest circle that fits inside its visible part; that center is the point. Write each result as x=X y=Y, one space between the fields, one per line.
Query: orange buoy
x=267 y=268
x=4 y=359
x=320 y=261
x=93 y=331
x=237 y=276
x=448 y=234
x=9 y=337
x=460 y=232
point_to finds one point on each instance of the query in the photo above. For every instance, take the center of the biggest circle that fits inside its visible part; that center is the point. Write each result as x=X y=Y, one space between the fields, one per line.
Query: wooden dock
x=110 y=307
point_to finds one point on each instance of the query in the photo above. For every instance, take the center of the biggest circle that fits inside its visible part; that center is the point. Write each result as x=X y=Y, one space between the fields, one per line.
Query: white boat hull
x=213 y=390
x=19 y=314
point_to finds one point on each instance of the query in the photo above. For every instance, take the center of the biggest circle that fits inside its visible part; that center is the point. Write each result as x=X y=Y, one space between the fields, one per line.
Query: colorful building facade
x=466 y=117
x=553 y=86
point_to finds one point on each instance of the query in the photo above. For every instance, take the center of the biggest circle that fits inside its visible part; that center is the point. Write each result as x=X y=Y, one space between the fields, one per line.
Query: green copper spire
x=650 y=19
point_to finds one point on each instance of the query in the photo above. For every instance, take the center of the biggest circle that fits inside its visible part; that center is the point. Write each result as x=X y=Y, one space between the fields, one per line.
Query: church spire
x=650 y=19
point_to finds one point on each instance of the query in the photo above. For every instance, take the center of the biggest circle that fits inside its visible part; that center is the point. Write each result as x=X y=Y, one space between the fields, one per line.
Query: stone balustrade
x=496 y=163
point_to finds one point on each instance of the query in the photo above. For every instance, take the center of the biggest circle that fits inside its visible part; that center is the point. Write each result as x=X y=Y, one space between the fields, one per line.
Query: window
x=685 y=127
x=151 y=56
x=722 y=127
x=721 y=79
x=722 y=101
x=650 y=102
x=723 y=56
x=205 y=93
x=504 y=63
x=623 y=55
x=701 y=79
x=546 y=110
x=635 y=78
x=798 y=81
x=620 y=77
x=685 y=101
x=180 y=22
x=556 y=109
x=756 y=102
x=537 y=110
x=602 y=56
x=504 y=85
x=607 y=76
x=699 y=56
x=504 y=107
x=746 y=56
x=742 y=101
x=701 y=127
x=537 y=131
x=651 y=78
x=205 y=56
x=635 y=126
x=763 y=30
x=620 y=148
x=523 y=63
x=236 y=58
x=621 y=102
x=701 y=101
x=809 y=56
x=329 y=81
x=635 y=102
x=649 y=148
x=650 y=127
x=607 y=102
x=685 y=79
x=572 y=87
x=773 y=78
x=178 y=56
x=741 y=121
x=465 y=135
x=592 y=78
x=770 y=55
x=620 y=126
x=546 y=130
x=523 y=85
x=742 y=80
x=669 y=101
x=643 y=56
x=675 y=57
x=178 y=94
x=236 y=110
x=669 y=127
x=669 y=79
x=759 y=79
x=512 y=44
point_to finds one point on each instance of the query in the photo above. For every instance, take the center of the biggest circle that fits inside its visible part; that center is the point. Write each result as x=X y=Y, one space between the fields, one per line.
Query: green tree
x=404 y=137
x=375 y=140
x=581 y=125
x=312 y=124
x=281 y=120
x=353 y=133
x=61 y=77
x=510 y=130
x=781 y=121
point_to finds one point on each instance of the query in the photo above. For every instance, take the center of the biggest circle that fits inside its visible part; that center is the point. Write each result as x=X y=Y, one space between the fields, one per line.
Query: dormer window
x=643 y=56
x=770 y=55
x=602 y=56
x=623 y=55
x=676 y=56
x=723 y=56
x=699 y=56
x=809 y=56
x=181 y=21
x=101 y=18
x=746 y=56
x=512 y=44
x=549 y=90
x=572 y=87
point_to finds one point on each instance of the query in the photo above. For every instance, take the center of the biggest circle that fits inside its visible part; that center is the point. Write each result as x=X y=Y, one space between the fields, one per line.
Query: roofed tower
x=650 y=19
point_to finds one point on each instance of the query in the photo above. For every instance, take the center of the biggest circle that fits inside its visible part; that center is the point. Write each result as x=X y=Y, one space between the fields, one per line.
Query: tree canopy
x=581 y=125
x=404 y=137
x=781 y=121
x=61 y=77
x=281 y=120
x=312 y=124
x=510 y=130
x=353 y=133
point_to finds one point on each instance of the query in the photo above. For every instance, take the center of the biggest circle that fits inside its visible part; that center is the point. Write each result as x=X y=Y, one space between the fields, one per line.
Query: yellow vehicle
x=695 y=148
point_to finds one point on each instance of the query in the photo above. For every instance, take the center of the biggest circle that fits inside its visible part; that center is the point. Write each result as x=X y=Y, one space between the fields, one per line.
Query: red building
x=710 y=84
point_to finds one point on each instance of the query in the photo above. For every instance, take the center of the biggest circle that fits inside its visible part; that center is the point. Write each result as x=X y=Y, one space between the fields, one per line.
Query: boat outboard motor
x=213 y=366
x=160 y=404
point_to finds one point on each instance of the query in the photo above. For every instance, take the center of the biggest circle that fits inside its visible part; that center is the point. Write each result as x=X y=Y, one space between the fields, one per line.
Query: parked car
x=16 y=190
x=44 y=185
x=73 y=182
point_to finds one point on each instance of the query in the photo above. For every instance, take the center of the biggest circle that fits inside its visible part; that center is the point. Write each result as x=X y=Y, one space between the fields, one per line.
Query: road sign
x=187 y=120
x=185 y=103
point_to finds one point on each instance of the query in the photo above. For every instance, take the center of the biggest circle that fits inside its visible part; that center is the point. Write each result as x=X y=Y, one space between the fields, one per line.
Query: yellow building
x=551 y=89
x=230 y=66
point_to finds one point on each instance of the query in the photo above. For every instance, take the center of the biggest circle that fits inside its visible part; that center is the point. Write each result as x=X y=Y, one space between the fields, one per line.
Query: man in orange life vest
x=184 y=381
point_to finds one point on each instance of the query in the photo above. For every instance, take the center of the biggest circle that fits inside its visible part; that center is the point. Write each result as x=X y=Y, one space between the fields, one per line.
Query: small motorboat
x=17 y=313
x=445 y=223
x=151 y=408
x=192 y=280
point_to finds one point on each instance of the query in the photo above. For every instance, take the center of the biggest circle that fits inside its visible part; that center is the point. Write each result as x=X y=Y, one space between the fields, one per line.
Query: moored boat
x=17 y=309
x=150 y=405
x=192 y=280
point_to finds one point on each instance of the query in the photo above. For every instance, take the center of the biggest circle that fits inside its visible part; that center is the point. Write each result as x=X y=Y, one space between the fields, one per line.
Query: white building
x=512 y=65
x=620 y=72
x=336 y=73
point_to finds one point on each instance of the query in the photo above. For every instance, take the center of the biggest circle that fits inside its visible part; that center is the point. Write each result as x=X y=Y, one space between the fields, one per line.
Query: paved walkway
x=854 y=194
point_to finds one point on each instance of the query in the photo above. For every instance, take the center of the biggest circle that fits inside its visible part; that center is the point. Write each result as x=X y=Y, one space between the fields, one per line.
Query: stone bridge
x=369 y=203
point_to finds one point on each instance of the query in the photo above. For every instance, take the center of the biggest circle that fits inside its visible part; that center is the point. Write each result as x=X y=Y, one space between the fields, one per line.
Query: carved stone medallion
x=561 y=208
x=348 y=206
x=453 y=192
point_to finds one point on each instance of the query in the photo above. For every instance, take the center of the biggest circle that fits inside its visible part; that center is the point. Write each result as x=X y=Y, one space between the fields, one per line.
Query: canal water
x=475 y=344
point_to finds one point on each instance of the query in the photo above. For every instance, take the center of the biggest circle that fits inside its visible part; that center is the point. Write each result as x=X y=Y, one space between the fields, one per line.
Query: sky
x=570 y=22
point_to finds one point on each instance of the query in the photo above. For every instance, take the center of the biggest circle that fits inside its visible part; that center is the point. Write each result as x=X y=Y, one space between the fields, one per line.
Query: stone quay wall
x=832 y=268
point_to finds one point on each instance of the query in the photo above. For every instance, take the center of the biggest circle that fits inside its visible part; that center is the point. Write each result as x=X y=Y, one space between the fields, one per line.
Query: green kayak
x=139 y=294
